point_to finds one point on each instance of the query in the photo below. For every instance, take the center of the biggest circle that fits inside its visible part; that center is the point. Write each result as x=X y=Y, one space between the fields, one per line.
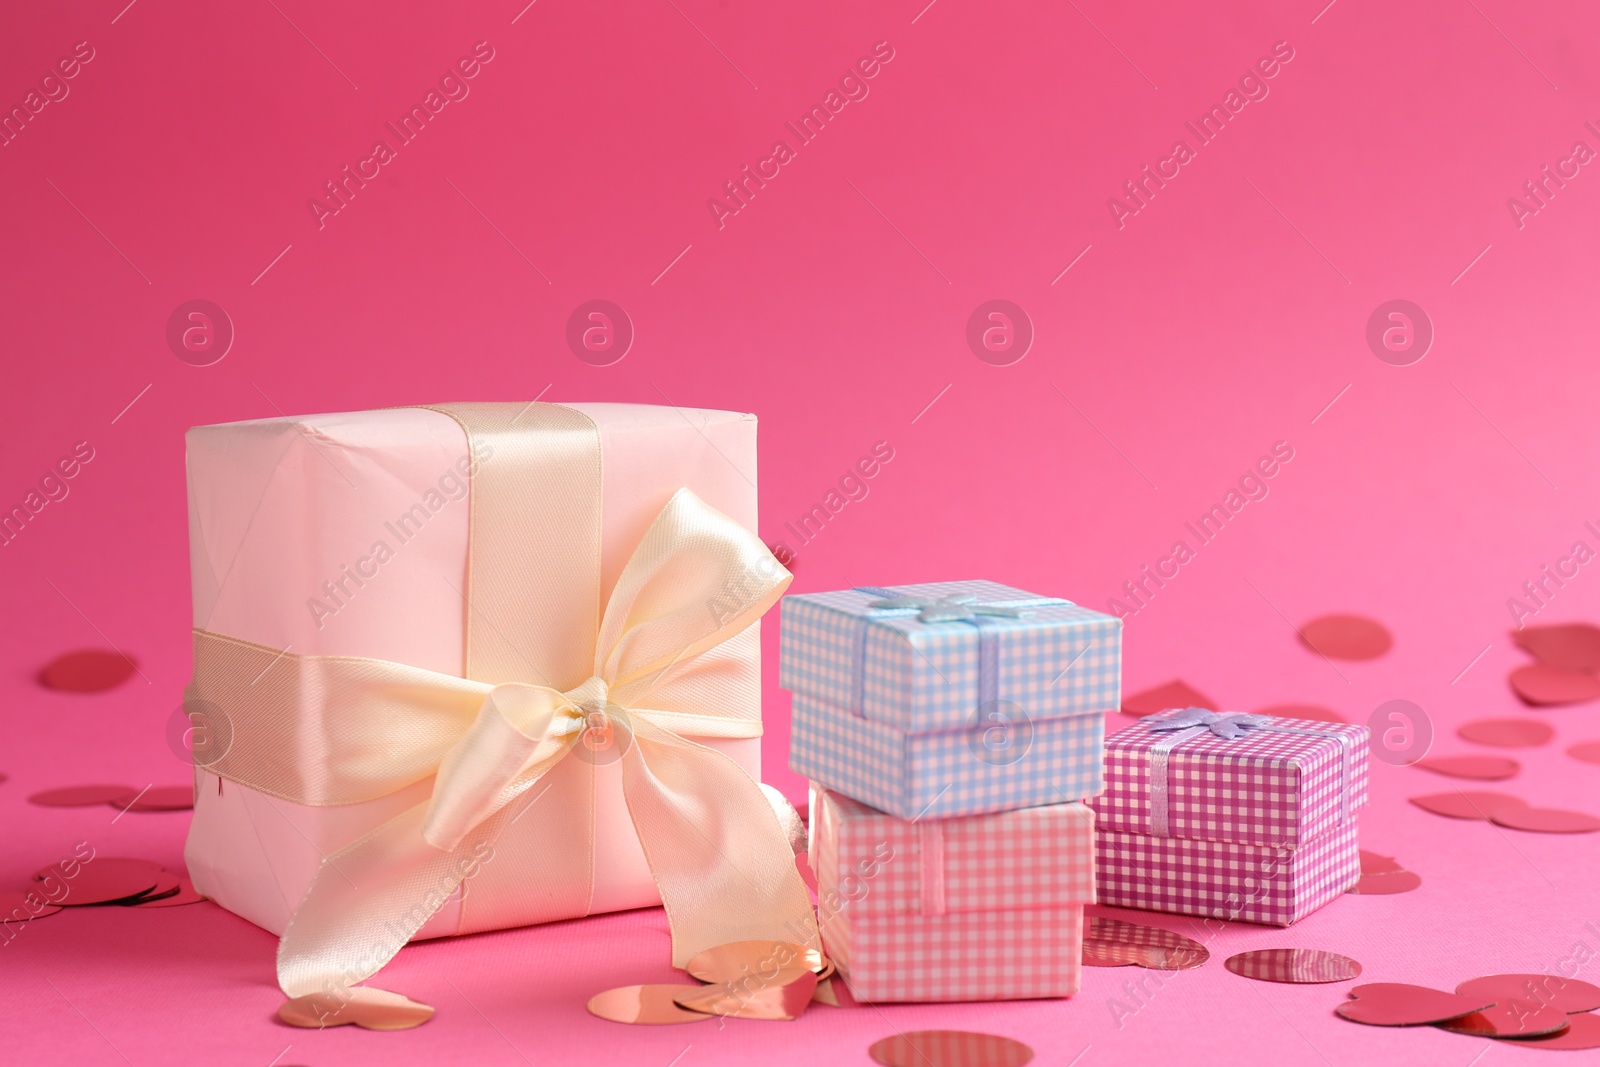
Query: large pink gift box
x=1259 y=827
x=983 y=907
x=285 y=519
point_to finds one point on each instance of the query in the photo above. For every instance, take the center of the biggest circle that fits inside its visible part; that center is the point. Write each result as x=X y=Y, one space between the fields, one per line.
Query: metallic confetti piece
x=1508 y=733
x=69 y=868
x=1398 y=1004
x=156 y=798
x=1573 y=646
x=1312 y=712
x=89 y=670
x=949 y=1048
x=1106 y=954
x=78 y=796
x=1467 y=803
x=1372 y=863
x=364 y=1006
x=649 y=1005
x=1509 y=1018
x=100 y=884
x=1480 y=768
x=1387 y=883
x=1307 y=966
x=1564 y=994
x=1174 y=694
x=184 y=894
x=1346 y=637
x=751 y=998
x=775 y=962
x=21 y=907
x=1543 y=685
x=1545 y=820
x=1583 y=1031
x=794 y=827
x=1587 y=751
x=1115 y=943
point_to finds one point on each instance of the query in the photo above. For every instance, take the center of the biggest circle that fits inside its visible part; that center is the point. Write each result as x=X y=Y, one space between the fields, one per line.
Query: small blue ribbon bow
x=961 y=607
x=1227 y=725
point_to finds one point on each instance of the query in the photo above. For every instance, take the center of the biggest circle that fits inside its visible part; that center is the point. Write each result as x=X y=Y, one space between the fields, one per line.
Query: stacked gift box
x=952 y=732
x=1230 y=816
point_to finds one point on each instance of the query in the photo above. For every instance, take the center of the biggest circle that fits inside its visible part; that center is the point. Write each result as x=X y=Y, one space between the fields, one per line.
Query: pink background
x=1223 y=317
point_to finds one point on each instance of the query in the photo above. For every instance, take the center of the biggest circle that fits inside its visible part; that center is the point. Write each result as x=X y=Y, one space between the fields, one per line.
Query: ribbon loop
x=1229 y=726
x=718 y=853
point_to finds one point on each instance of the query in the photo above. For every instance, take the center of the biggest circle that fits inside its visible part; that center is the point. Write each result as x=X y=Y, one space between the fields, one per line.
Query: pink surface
x=1388 y=160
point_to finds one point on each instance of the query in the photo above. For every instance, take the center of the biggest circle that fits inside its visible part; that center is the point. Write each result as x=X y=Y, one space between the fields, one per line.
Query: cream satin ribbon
x=330 y=730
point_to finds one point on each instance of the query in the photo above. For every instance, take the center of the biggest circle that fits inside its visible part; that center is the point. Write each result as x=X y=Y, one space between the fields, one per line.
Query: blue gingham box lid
x=890 y=666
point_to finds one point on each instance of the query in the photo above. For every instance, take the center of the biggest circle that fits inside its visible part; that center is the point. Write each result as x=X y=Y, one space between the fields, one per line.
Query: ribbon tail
x=715 y=847
x=371 y=897
x=366 y=902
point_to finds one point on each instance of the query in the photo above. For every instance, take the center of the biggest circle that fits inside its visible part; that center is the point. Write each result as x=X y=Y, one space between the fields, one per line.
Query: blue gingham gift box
x=949 y=698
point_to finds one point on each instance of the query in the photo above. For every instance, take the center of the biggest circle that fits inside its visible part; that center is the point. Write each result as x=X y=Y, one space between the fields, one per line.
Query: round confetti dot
x=364 y=1006
x=949 y=1048
x=1467 y=803
x=89 y=670
x=1307 y=966
x=1399 y=1004
x=1352 y=637
x=649 y=1005
x=21 y=907
x=1583 y=1031
x=1564 y=994
x=1509 y=1018
x=1508 y=733
x=78 y=796
x=1543 y=686
x=1546 y=820
x=1570 y=646
x=1480 y=768
x=156 y=798
x=1587 y=751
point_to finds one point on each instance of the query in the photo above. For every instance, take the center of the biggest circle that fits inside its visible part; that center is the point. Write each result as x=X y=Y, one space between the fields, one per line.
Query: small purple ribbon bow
x=958 y=608
x=1227 y=725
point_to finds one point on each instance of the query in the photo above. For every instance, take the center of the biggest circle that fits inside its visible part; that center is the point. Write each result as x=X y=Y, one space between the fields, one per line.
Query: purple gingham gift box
x=987 y=907
x=1236 y=817
x=950 y=698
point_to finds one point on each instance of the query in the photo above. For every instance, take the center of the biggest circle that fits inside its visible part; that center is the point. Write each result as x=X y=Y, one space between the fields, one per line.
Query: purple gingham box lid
x=1269 y=787
x=1057 y=659
x=871 y=863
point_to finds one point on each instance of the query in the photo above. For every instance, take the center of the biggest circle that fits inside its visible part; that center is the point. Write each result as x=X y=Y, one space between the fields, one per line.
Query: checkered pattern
x=975 y=955
x=1015 y=885
x=1032 y=858
x=921 y=745
x=1265 y=788
x=922 y=677
x=1226 y=880
x=942 y=774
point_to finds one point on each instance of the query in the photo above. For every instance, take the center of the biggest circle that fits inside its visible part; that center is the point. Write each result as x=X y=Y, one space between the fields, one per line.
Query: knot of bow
x=956 y=608
x=1226 y=725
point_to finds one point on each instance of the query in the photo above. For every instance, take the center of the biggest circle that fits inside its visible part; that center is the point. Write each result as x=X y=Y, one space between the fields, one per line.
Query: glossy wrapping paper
x=286 y=518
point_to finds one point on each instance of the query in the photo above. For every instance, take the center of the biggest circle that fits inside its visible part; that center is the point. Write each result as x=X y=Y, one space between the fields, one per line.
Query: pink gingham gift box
x=1236 y=817
x=986 y=907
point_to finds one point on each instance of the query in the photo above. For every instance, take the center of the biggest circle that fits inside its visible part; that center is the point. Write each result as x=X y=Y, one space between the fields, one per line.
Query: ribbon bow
x=715 y=848
x=959 y=607
x=1229 y=726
